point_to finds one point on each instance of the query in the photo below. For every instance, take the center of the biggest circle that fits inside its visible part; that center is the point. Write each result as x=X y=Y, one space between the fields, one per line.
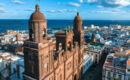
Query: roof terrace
x=114 y=62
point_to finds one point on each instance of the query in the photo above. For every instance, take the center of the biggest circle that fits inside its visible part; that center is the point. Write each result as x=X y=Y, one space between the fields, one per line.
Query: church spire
x=37 y=7
x=78 y=22
x=77 y=13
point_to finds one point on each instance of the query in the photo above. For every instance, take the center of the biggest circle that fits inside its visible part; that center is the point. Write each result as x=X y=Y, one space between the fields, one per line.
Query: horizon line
x=73 y=19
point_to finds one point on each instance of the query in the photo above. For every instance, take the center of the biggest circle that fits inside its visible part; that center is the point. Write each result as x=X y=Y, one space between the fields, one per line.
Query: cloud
x=105 y=12
x=81 y=1
x=110 y=3
x=99 y=6
x=61 y=11
x=2 y=4
x=30 y=9
x=115 y=11
x=3 y=10
x=54 y=11
x=17 y=2
x=73 y=4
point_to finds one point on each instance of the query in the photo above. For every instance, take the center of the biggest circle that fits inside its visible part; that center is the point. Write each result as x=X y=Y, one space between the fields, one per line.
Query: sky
x=67 y=9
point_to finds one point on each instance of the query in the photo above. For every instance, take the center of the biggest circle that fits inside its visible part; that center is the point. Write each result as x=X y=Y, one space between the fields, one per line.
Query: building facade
x=41 y=63
x=96 y=50
x=88 y=62
x=128 y=70
x=115 y=67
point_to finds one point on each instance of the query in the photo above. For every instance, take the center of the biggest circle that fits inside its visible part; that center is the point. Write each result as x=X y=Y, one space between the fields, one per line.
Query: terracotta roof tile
x=128 y=62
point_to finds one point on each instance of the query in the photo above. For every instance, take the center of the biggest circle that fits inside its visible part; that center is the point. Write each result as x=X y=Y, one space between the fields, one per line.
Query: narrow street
x=95 y=71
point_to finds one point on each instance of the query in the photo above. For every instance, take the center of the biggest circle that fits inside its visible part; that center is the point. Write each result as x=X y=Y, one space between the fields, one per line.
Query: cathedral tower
x=38 y=49
x=77 y=29
x=78 y=22
x=37 y=26
x=79 y=37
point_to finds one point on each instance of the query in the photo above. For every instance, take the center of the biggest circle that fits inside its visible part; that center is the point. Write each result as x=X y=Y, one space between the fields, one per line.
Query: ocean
x=6 y=24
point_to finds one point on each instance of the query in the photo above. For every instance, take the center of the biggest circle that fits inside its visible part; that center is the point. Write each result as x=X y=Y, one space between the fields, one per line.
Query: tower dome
x=78 y=22
x=37 y=26
x=78 y=18
x=37 y=15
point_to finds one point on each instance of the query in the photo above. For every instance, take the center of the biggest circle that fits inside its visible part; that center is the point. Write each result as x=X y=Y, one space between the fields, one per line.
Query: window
x=44 y=33
x=32 y=35
x=32 y=69
x=60 y=76
x=69 y=66
x=128 y=70
x=114 y=76
x=46 y=67
x=109 y=75
x=31 y=57
x=89 y=62
x=69 y=46
x=60 y=46
x=104 y=73
x=119 y=77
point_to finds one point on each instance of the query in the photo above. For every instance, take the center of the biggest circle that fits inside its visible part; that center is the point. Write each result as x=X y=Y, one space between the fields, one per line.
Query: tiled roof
x=128 y=62
x=115 y=63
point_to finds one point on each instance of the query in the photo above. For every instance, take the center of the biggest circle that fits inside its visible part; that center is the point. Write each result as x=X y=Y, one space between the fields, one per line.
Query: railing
x=115 y=68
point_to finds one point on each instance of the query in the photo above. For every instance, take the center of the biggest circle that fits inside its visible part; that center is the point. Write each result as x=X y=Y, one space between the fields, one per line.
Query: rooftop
x=96 y=44
x=128 y=62
x=115 y=62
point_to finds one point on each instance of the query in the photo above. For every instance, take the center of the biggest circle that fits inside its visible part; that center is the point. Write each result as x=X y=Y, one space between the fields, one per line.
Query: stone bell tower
x=77 y=29
x=37 y=26
x=37 y=51
x=79 y=37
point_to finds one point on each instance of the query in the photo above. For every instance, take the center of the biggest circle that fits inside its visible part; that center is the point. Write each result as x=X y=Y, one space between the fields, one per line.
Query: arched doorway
x=75 y=77
x=81 y=74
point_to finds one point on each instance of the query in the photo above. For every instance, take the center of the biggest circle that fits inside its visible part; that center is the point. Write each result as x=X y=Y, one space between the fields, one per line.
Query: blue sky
x=67 y=9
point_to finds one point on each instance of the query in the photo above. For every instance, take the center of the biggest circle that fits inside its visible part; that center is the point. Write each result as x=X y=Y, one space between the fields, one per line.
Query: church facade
x=42 y=62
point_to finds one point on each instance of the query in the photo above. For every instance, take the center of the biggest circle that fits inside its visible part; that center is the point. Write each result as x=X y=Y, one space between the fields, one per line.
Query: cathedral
x=46 y=60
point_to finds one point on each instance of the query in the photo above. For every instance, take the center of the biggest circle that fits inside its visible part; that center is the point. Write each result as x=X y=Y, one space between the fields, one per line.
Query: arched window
x=60 y=46
x=46 y=67
x=75 y=77
x=69 y=46
x=44 y=33
x=31 y=34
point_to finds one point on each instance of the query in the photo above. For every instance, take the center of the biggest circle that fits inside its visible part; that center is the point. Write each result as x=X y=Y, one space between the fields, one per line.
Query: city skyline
x=63 y=40
x=66 y=9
